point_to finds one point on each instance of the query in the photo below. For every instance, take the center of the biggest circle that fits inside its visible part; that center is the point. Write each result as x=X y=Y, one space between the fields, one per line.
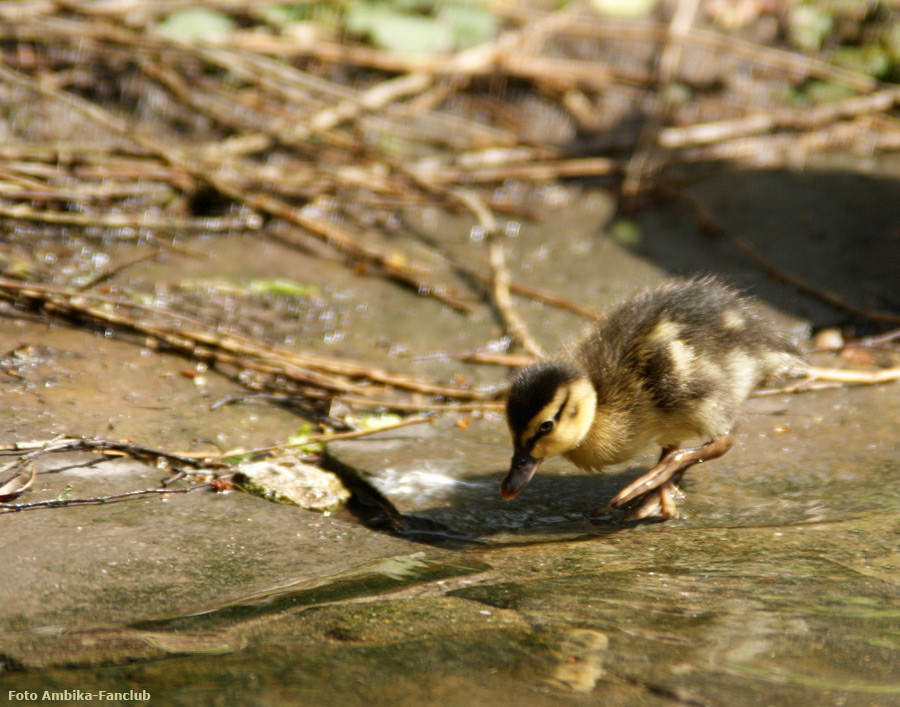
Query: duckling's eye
x=547 y=425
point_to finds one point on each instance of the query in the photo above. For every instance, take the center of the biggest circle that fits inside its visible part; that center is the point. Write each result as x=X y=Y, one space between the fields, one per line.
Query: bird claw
x=658 y=503
x=653 y=479
x=655 y=503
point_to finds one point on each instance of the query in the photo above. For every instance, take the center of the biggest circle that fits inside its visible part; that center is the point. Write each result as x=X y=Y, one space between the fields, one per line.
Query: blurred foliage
x=863 y=37
x=860 y=36
x=624 y=8
x=817 y=91
x=301 y=439
x=410 y=26
x=871 y=60
x=626 y=232
x=808 y=27
x=282 y=286
x=197 y=23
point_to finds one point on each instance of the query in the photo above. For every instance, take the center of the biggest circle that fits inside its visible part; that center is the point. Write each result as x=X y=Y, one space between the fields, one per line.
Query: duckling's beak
x=520 y=472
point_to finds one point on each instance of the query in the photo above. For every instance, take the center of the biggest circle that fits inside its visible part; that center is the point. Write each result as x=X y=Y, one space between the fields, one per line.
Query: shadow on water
x=552 y=508
x=382 y=576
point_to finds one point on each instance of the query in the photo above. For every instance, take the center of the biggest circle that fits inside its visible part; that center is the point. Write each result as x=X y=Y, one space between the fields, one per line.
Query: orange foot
x=654 y=493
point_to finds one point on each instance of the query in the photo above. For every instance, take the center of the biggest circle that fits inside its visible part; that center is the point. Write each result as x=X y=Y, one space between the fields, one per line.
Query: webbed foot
x=656 y=491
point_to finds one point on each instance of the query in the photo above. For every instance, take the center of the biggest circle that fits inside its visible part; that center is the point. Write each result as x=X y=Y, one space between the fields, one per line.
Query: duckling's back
x=682 y=358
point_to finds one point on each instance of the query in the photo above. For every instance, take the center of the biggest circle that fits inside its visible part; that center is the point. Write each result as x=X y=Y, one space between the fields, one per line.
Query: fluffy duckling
x=671 y=364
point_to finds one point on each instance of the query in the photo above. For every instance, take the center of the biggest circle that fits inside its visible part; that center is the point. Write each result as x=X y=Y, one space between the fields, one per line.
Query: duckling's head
x=549 y=409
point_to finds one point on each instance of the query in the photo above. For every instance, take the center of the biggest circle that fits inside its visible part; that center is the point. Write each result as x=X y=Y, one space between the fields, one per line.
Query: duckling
x=671 y=364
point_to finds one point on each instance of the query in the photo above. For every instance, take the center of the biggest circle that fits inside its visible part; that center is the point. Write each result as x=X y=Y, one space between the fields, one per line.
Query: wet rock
x=288 y=480
x=115 y=576
x=778 y=585
x=73 y=382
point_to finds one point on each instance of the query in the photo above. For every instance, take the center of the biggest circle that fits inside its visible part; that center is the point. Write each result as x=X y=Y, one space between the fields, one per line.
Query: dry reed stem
x=534 y=171
x=331 y=234
x=816 y=378
x=724 y=130
x=500 y=277
x=667 y=67
x=133 y=221
x=503 y=301
x=329 y=374
x=844 y=375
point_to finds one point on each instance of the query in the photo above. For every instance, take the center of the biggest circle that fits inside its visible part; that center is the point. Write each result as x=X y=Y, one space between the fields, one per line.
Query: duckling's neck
x=608 y=441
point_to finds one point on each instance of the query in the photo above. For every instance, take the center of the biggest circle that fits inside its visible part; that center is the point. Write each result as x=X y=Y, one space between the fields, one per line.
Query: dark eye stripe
x=561 y=408
x=540 y=433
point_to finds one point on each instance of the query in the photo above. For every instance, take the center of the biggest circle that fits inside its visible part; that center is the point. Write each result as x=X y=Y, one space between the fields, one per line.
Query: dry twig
x=669 y=60
x=816 y=378
x=320 y=371
x=92 y=500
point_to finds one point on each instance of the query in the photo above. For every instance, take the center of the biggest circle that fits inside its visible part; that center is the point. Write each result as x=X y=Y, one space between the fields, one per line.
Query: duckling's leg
x=659 y=502
x=672 y=463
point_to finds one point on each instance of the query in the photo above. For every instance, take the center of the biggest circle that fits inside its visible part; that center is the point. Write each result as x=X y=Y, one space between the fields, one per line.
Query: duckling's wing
x=690 y=342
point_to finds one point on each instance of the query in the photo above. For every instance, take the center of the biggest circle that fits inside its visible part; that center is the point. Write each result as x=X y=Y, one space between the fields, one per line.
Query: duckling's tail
x=778 y=363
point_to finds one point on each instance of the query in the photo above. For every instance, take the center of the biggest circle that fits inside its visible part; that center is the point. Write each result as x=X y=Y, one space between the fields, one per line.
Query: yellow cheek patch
x=542 y=448
x=548 y=412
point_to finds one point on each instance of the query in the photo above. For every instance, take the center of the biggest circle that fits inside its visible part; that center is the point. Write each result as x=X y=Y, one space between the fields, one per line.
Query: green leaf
x=468 y=25
x=624 y=8
x=626 y=232
x=362 y=17
x=197 y=23
x=65 y=494
x=282 y=286
x=299 y=438
x=871 y=60
x=411 y=34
